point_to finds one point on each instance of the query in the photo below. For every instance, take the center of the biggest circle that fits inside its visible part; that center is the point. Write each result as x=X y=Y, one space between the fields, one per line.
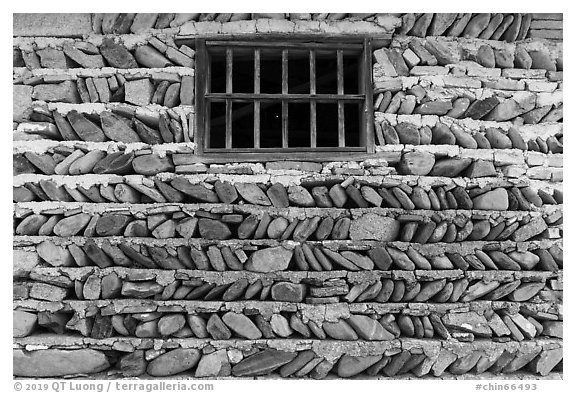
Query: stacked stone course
x=439 y=255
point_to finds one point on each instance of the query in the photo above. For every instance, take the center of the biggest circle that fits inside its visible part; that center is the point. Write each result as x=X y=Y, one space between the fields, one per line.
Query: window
x=283 y=97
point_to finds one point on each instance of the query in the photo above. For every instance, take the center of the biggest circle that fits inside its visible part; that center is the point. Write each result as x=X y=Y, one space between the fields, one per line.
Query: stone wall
x=440 y=255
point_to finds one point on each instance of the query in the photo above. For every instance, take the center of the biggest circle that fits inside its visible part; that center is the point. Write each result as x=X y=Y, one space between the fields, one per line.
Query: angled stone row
x=106 y=51
x=381 y=287
x=442 y=134
x=500 y=324
x=165 y=89
x=317 y=360
x=120 y=124
x=330 y=193
x=313 y=256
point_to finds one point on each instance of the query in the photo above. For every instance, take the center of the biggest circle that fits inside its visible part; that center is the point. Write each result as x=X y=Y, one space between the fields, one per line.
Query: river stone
x=23 y=323
x=174 y=362
x=133 y=364
x=70 y=226
x=416 y=163
x=408 y=133
x=481 y=168
x=476 y=25
x=459 y=107
x=57 y=362
x=299 y=196
x=480 y=108
x=450 y=167
x=438 y=107
x=170 y=324
x=441 y=135
x=85 y=128
x=368 y=328
x=441 y=22
x=536 y=226
x=497 y=139
x=152 y=164
x=213 y=229
x=269 y=260
x=277 y=227
x=278 y=195
x=463 y=138
x=196 y=191
x=468 y=322
x=117 y=129
x=253 y=194
x=348 y=365
x=226 y=192
x=241 y=325
x=262 y=363
x=116 y=54
x=54 y=255
x=512 y=107
x=374 y=227
x=492 y=200
x=215 y=364
x=542 y=60
x=485 y=56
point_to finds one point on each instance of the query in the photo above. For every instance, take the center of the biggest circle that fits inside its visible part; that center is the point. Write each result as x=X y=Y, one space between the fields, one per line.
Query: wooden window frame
x=228 y=153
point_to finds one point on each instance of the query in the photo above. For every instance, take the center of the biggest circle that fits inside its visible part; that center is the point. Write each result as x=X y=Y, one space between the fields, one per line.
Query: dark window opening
x=284 y=96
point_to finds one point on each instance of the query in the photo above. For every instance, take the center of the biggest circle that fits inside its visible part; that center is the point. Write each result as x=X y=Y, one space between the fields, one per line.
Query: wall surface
x=438 y=256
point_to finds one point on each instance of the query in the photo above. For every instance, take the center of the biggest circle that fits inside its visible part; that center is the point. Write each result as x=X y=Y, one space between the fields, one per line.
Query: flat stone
x=438 y=108
x=408 y=133
x=116 y=54
x=57 y=92
x=23 y=323
x=70 y=226
x=170 y=324
x=269 y=260
x=348 y=365
x=58 y=362
x=480 y=108
x=196 y=191
x=174 y=362
x=533 y=228
x=252 y=194
x=278 y=195
x=241 y=325
x=54 y=255
x=416 y=163
x=368 y=328
x=148 y=56
x=497 y=139
x=374 y=227
x=481 y=168
x=468 y=322
x=441 y=135
x=288 y=292
x=86 y=129
x=141 y=289
x=492 y=200
x=450 y=167
x=215 y=364
x=299 y=196
x=152 y=164
x=133 y=364
x=262 y=363
x=138 y=92
x=213 y=229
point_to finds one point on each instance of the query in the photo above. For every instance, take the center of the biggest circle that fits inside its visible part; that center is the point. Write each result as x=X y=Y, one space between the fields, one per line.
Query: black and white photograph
x=287 y=196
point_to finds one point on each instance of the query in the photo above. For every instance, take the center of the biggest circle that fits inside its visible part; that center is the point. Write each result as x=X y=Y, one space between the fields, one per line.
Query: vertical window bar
x=206 y=65
x=340 y=74
x=284 y=103
x=228 y=101
x=312 y=102
x=257 y=102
